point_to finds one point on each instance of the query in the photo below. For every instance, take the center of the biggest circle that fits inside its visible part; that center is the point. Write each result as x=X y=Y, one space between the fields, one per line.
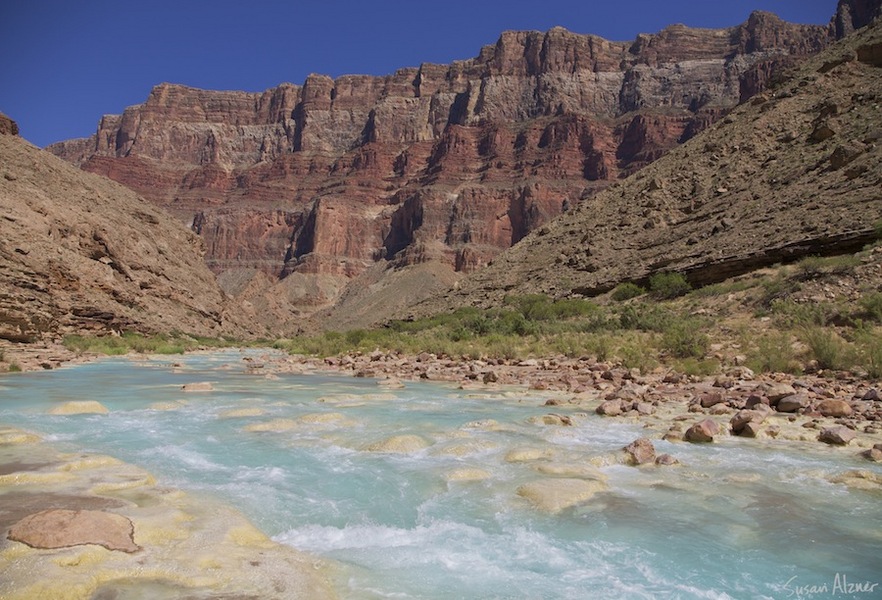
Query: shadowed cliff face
x=442 y=162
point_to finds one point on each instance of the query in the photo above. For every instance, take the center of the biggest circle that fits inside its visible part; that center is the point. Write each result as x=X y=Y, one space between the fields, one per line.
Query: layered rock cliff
x=80 y=253
x=796 y=171
x=451 y=163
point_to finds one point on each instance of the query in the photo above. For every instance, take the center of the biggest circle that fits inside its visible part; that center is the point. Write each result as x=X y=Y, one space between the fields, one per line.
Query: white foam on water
x=187 y=456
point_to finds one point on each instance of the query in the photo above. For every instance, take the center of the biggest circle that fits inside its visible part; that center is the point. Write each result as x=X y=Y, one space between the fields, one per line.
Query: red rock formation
x=452 y=162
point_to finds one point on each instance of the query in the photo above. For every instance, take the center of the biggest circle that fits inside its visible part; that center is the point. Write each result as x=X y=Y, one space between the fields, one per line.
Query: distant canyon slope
x=82 y=254
x=373 y=192
x=794 y=172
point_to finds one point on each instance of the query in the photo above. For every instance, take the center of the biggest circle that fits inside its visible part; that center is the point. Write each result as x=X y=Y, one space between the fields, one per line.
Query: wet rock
x=666 y=460
x=776 y=391
x=58 y=528
x=703 y=431
x=834 y=408
x=859 y=479
x=551 y=419
x=746 y=422
x=274 y=425
x=525 y=454
x=874 y=454
x=399 y=444
x=199 y=386
x=556 y=494
x=644 y=408
x=839 y=435
x=610 y=408
x=792 y=403
x=640 y=452
x=467 y=474
x=79 y=407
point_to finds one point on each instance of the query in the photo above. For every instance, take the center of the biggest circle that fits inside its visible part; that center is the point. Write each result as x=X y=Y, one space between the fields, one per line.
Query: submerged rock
x=12 y=436
x=399 y=444
x=467 y=474
x=859 y=479
x=273 y=425
x=199 y=386
x=59 y=528
x=525 y=454
x=79 y=407
x=554 y=495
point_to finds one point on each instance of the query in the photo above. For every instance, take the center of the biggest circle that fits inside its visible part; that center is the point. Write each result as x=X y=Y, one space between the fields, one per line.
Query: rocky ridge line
x=322 y=183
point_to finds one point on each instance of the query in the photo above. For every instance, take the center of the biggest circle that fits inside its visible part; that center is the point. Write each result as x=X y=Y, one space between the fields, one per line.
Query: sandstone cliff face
x=791 y=173
x=442 y=162
x=80 y=253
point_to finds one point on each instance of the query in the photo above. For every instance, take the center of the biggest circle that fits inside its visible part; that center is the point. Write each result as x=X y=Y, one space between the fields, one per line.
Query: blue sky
x=64 y=63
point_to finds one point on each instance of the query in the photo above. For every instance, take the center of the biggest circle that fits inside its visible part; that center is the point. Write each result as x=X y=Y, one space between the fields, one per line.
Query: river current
x=299 y=455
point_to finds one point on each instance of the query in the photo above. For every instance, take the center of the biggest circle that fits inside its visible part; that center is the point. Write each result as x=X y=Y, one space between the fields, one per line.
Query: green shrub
x=14 y=367
x=869 y=352
x=700 y=368
x=871 y=305
x=779 y=288
x=626 y=291
x=637 y=354
x=668 y=285
x=774 y=354
x=684 y=339
x=792 y=314
x=827 y=348
x=811 y=267
x=645 y=317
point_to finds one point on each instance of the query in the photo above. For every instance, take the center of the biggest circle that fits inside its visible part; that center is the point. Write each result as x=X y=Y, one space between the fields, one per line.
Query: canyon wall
x=451 y=163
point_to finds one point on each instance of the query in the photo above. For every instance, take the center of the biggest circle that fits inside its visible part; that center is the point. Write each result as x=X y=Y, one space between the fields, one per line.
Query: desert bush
x=827 y=348
x=774 y=353
x=871 y=306
x=645 y=317
x=779 y=288
x=724 y=287
x=684 y=339
x=626 y=291
x=14 y=367
x=668 y=285
x=788 y=313
x=636 y=353
x=694 y=366
x=812 y=267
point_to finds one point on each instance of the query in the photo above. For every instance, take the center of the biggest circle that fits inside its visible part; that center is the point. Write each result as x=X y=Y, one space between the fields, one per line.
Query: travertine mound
x=64 y=528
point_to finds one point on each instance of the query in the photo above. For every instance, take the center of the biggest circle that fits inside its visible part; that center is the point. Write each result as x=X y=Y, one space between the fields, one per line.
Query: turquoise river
x=736 y=519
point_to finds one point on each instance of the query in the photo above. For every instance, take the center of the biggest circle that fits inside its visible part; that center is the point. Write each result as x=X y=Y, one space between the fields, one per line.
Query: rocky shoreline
x=838 y=410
